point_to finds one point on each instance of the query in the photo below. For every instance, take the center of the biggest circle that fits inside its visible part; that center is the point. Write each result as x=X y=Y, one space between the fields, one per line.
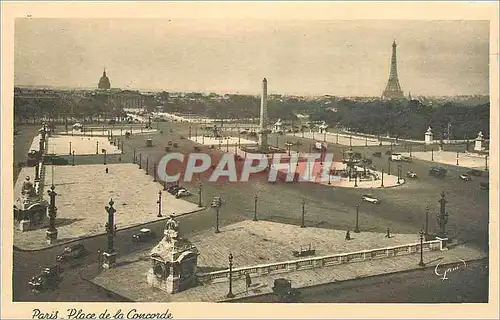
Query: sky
x=347 y=58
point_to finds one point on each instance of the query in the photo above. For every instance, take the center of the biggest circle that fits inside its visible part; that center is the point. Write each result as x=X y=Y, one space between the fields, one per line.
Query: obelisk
x=263 y=118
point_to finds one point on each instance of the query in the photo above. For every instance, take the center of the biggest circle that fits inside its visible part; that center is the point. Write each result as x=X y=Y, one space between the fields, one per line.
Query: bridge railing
x=318 y=262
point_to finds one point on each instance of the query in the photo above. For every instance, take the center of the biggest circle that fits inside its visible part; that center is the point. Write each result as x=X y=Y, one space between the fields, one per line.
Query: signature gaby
x=444 y=274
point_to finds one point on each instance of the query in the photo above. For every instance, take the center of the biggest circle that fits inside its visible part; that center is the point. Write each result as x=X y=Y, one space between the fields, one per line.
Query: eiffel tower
x=393 y=89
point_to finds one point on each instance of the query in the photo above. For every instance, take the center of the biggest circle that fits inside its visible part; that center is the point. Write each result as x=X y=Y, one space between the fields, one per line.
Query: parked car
x=377 y=154
x=437 y=172
x=216 y=202
x=72 y=252
x=465 y=177
x=243 y=132
x=411 y=175
x=406 y=159
x=47 y=278
x=475 y=173
x=370 y=198
x=484 y=185
x=143 y=235
x=182 y=193
x=174 y=189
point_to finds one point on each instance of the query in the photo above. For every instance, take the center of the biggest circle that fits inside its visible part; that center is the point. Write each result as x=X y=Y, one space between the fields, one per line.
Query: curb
x=16 y=248
x=236 y=300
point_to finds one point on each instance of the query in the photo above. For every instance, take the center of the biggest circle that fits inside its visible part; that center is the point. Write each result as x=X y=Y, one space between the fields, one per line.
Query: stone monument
x=479 y=142
x=429 y=136
x=30 y=209
x=173 y=261
x=278 y=127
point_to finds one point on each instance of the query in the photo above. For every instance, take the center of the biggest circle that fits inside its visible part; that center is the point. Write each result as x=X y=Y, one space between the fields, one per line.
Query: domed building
x=104 y=83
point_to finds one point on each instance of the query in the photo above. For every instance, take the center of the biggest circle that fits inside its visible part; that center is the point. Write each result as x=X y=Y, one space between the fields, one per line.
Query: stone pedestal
x=479 y=142
x=109 y=259
x=51 y=236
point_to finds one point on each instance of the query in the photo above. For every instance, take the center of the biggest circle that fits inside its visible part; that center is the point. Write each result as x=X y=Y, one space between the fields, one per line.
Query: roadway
x=402 y=210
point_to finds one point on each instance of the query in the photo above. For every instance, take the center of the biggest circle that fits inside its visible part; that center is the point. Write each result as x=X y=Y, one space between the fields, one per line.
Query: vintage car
x=370 y=198
x=411 y=175
x=47 y=278
x=377 y=154
x=437 y=172
x=72 y=252
x=143 y=235
x=283 y=290
x=465 y=177
x=182 y=193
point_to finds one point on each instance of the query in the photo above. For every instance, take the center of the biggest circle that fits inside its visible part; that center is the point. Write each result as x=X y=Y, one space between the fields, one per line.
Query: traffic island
x=83 y=192
x=267 y=251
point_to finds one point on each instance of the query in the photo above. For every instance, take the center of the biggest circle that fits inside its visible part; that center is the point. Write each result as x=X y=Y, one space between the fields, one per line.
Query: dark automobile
x=55 y=160
x=465 y=177
x=143 y=235
x=475 y=173
x=484 y=185
x=47 y=278
x=284 y=292
x=72 y=252
x=437 y=172
x=377 y=154
x=411 y=175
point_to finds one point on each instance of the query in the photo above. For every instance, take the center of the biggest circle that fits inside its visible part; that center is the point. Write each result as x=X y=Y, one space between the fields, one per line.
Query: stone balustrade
x=318 y=262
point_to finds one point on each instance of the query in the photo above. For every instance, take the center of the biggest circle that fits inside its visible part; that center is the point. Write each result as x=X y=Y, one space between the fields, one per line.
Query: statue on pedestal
x=30 y=209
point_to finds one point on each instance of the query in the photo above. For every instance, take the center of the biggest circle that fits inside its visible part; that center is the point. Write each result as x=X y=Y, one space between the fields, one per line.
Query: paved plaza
x=59 y=145
x=450 y=158
x=342 y=139
x=103 y=132
x=223 y=142
x=275 y=242
x=84 y=190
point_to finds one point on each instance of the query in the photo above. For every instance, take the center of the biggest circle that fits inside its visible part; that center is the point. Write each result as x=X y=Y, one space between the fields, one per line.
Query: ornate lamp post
x=486 y=163
x=109 y=254
x=427 y=221
x=442 y=217
x=70 y=147
x=432 y=154
x=147 y=165
x=389 y=165
x=133 y=161
x=357 y=219
x=255 y=208
x=303 y=225
x=421 y=263
x=159 y=204
x=104 y=152
x=199 y=194
x=230 y=293
x=457 y=158
x=382 y=184
x=154 y=171
x=97 y=147
x=140 y=160
x=196 y=134
x=217 y=208
x=399 y=171
x=51 y=233
x=73 y=158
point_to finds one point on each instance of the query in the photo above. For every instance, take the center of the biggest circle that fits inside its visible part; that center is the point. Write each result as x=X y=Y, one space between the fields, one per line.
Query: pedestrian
x=348 y=235
x=388 y=234
x=248 y=280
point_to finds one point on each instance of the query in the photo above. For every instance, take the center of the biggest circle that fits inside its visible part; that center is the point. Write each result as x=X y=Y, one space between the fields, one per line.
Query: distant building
x=104 y=83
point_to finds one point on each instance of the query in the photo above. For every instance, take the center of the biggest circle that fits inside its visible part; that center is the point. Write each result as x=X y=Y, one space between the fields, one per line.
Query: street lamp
x=217 y=218
x=457 y=158
x=421 y=263
x=382 y=184
x=104 y=155
x=486 y=163
x=189 y=135
x=51 y=232
x=432 y=154
x=154 y=172
x=255 y=208
x=389 y=164
x=70 y=147
x=134 y=157
x=199 y=194
x=303 y=225
x=159 y=204
x=356 y=178
x=357 y=219
x=97 y=147
x=427 y=221
x=147 y=165
x=73 y=158
x=399 y=169
x=230 y=293
x=140 y=160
